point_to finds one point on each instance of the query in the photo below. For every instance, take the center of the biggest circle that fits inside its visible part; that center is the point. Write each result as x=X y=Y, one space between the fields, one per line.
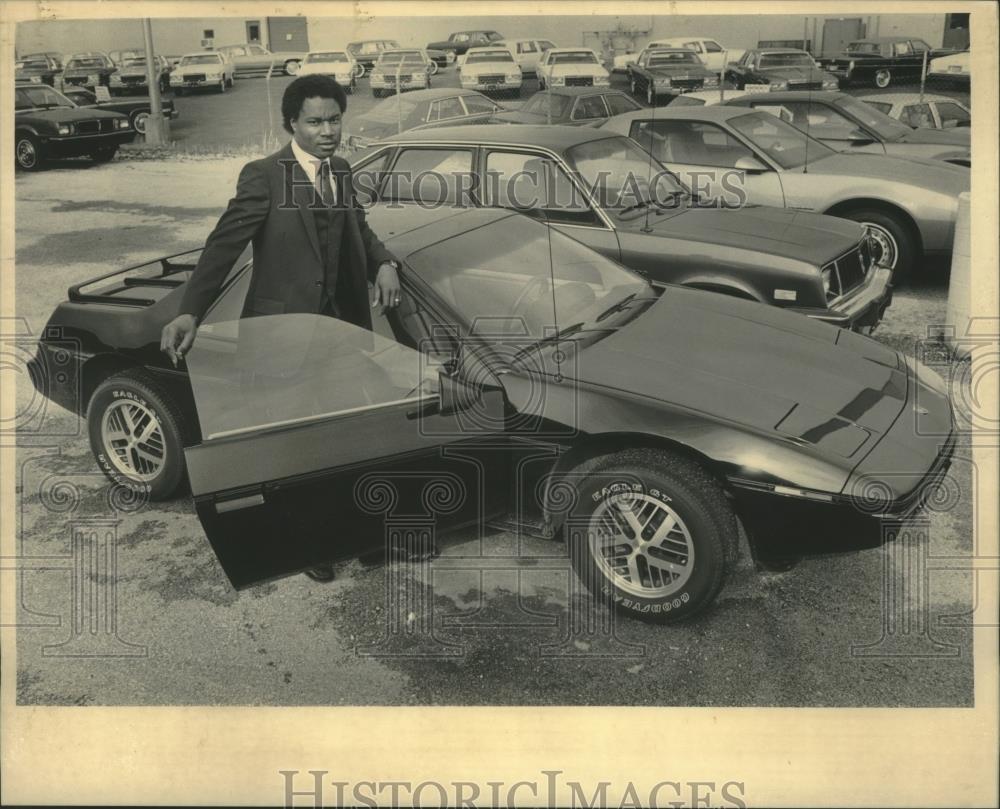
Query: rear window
x=489 y=56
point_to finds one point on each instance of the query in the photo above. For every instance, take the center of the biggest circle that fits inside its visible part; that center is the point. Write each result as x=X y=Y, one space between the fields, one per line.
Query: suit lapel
x=301 y=193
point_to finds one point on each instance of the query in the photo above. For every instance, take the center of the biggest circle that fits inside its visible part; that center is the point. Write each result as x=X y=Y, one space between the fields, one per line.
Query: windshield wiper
x=615 y=307
x=564 y=332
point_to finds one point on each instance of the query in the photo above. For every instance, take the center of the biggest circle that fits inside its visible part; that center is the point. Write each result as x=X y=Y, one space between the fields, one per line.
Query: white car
x=200 y=70
x=714 y=55
x=571 y=67
x=527 y=52
x=410 y=68
x=338 y=64
x=491 y=69
x=929 y=112
x=954 y=67
x=700 y=98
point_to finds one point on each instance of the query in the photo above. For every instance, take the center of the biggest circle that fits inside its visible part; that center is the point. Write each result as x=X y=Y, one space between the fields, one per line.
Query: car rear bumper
x=863 y=308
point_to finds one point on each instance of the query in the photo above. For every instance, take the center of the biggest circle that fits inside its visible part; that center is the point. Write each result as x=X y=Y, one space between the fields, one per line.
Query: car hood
x=754 y=365
x=945 y=137
x=793 y=73
x=797 y=235
x=488 y=67
x=678 y=71
x=445 y=45
x=578 y=70
x=65 y=115
x=932 y=175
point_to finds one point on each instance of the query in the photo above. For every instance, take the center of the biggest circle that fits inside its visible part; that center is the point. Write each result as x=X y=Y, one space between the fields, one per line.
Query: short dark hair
x=313 y=86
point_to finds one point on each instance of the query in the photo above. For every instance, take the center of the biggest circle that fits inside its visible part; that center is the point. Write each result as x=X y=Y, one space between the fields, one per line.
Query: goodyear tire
x=651 y=533
x=137 y=434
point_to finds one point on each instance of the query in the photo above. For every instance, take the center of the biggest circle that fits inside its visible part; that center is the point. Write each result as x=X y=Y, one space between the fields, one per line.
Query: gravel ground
x=816 y=635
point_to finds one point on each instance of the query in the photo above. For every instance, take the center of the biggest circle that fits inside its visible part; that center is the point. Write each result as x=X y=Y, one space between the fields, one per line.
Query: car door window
x=918 y=116
x=526 y=47
x=478 y=105
x=617 y=104
x=257 y=50
x=952 y=115
x=535 y=183
x=881 y=106
x=689 y=142
x=368 y=176
x=713 y=47
x=237 y=52
x=694 y=46
x=903 y=49
x=429 y=176
x=446 y=108
x=588 y=108
x=818 y=120
x=919 y=46
x=545 y=45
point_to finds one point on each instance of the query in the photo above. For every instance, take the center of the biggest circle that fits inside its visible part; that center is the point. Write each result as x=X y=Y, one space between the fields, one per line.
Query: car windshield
x=520 y=278
x=135 y=61
x=391 y=111
x=39 y=97
x=864 y=47
x=85 y=63
x=782 y=142
x=884 y=126
x=622 y=175
x=786 y=60
x=542 y=103
x=573 y=58
x=31 y=64
x=401 y=57
x=674 y=58
x=202 y=59
x=328 y=56
x=489 y=56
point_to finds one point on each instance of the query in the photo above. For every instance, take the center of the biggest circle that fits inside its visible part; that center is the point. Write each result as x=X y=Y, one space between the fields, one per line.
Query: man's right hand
x=177 y=337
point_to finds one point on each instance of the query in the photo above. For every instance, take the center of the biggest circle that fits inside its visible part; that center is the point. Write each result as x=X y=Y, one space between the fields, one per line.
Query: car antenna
x=649 y=171
x=809 y=103
x=557 y=355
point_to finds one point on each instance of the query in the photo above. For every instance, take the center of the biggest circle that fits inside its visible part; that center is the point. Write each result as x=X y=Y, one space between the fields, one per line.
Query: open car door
x=317 y=433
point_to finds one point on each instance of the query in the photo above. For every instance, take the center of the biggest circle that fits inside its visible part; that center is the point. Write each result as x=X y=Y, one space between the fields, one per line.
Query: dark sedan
x=137 y=109
x=604 y=190
x=89 y=70
x=367 y=52
x=882 y=61
x=843 y=122
x=669 y=71
x=38 y=68
x=418 y=109
x=782 y=69
x=571 y=106
x=523 y=375
x=460 y=42
x=49 y=125
x=132 y=78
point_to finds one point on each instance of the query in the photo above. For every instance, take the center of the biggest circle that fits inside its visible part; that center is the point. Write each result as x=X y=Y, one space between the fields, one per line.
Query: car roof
x=571 y=50
x=779 y=50
x=202 y=53
x=401 y=50
x=548 y=137
x=799 y=95
x=708 y=112
x=906 y=98
x=669 y=50
x=498 y=46
x=434 y=92
x=579 y=91
x=882 y=40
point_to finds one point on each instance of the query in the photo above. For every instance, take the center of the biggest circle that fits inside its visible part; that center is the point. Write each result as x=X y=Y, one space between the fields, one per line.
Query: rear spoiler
x=123 y=290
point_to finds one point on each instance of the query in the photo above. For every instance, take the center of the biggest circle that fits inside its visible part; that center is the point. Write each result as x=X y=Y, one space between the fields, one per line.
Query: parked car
x=37 y=68
x=571 y=106
x=751 y=418
x=89 y=70
x=403 y=69
x=782 y=69
x=119 y=56
x=922 y=112
x=491 y=70
x=715 y=56
x=460 y=41
x=253 y=59
x=571 y=67
x=131 y=75
x=137 y=109
x=55 y=56
x=48 y=125
x=880 y=61
x=203 y=70
x=526 y=52
x=440 y=59
x=668 y=72
x=909 y=205
x=366 y=52
x=844 y=122
x=605 y=191
x=339 y=65
x=953 y=68
x=698 y=98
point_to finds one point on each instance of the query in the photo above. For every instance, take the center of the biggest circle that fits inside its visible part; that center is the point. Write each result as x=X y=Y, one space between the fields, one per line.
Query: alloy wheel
x=886 y=243
x=133 y=440
x=26 y=153
x=882 y=78
x=139 y=122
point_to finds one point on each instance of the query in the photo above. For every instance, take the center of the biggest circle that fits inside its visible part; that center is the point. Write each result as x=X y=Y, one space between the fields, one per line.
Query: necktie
x=324 y=180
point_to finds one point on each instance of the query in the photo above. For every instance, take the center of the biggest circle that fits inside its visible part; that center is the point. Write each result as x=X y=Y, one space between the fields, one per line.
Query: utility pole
x=157 y=127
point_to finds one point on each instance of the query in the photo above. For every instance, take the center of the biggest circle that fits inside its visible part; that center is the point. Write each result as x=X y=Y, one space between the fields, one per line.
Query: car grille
x=805 y=85
x=194 y=77
x=850 y=269
x=579 y=81
x=491 y=78
x=687 y=84
x=88 y=127
x=134 y=79
x=76 y=80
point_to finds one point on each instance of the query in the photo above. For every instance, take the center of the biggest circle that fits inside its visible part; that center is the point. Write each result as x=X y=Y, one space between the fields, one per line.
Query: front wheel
x=139 y=120
x=28 y=152
x=894 y=239
x=651 y=532
x=359 y=71
x=292 y=67
x=883 y=78
x=137 y=434
x=432 y=68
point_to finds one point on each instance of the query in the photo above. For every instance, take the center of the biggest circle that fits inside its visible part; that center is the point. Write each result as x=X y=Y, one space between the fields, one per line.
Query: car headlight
x=663 y=82
x=779 y=85
x=216 y=74
x=830 y=84
x=850 y=65
x=602 y=80
x=827 y=276
x=65 y=129
x=711 y=81
x=558 y=81
x=121 y=123
x=116 y=79
x=449 y=56
x=513 y=76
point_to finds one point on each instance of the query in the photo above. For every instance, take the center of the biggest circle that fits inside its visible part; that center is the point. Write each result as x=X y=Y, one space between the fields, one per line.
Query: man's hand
x=177 y=337
x=387 y=290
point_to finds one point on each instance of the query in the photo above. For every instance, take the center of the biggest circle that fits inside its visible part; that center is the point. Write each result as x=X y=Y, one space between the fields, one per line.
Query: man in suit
x=313 y=252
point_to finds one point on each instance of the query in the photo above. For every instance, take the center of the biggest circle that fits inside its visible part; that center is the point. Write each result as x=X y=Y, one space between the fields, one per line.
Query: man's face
x=317 y=129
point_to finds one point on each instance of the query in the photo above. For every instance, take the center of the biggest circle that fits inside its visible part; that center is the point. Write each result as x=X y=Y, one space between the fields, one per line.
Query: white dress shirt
x=310 y=165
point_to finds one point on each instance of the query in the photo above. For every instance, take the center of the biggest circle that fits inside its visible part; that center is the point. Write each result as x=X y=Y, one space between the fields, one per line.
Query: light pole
x=157 y=127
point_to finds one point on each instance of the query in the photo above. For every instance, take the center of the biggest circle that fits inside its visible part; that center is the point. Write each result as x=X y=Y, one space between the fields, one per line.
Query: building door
x=956 y=31
x=253 y=31
x=287 y=34
x=837 y=33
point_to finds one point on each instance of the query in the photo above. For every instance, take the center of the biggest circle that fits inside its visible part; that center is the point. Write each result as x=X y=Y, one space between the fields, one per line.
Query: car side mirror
x=859 y=138
x=454 y=395
x=750 y=165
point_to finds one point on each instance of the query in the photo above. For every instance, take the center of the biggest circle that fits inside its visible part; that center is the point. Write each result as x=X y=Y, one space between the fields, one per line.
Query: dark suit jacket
x=272 y=208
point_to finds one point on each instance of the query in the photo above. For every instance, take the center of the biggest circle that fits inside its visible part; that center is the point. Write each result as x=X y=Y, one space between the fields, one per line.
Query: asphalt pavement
x=484 y=624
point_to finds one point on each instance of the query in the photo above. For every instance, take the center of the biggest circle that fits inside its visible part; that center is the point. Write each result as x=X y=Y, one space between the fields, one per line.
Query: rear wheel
x=359 y=70
x=651 y=532
x=433 y=68
x=896 y=242
x=27 y=152
x=137 y=433
x=883 y=78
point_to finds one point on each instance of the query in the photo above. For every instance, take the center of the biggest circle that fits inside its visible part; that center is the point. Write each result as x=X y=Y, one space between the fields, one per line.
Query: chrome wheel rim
x=291 y=68
x=140 y=122
x=641 y=545
x=886 y=243
x=27 y=155
x=134 y=440
x=882 y=78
